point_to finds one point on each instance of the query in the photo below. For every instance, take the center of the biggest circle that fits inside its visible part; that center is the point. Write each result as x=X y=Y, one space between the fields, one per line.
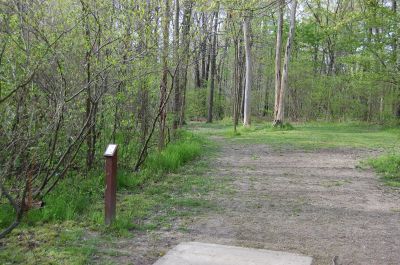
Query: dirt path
x=315 y=203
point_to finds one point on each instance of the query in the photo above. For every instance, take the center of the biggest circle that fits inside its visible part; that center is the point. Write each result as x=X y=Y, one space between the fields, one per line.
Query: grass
x=389 y=167
x=318 y=135
x=70 y=229
x=47 y=244
x=309 y=135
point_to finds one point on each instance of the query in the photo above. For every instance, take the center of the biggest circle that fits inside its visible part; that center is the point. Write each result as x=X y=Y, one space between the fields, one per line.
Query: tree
x=176 y=78
x=285 y=75
x=164 y=78
x=247 y=89
x=213 y=67
x=186 y=23
x=278 y=59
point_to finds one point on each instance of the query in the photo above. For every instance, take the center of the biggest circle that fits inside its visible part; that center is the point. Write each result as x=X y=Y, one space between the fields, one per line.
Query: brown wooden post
x=111 y=183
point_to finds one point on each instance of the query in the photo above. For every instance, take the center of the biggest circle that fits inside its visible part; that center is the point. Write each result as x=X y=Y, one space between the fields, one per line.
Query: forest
x=166 y=80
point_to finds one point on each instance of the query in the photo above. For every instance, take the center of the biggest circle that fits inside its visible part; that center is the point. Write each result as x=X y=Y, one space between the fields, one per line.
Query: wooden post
x=111 y=183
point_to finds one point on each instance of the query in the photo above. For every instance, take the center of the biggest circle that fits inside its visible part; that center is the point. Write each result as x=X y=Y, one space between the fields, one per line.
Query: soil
x=317 y=203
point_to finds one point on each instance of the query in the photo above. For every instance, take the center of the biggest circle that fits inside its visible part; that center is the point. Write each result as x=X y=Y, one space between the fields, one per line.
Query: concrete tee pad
x=194 y=253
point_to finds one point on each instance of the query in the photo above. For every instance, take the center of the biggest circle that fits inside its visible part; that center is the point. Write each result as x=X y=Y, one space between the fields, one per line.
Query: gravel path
x=316 y=203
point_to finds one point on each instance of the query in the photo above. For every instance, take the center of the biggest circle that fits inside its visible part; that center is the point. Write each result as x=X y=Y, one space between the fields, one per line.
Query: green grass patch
x=71 y=199
x=389 y=167
x=47 y=244
x=309 y=135
x=175 y=155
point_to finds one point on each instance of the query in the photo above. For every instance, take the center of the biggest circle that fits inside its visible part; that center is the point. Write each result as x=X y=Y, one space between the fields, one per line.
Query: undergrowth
x=74 y=198
x=77 y=203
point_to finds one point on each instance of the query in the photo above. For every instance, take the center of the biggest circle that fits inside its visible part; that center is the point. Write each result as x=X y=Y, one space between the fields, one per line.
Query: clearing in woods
x=290 y=197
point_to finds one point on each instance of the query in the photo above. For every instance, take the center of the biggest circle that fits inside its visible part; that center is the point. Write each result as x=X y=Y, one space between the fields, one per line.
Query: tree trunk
x=88 y=110
x=177 y=94
x=278 y=51
x=203 y=48
x=247 y=89
x=213 y=52
x=197 y=72
x=285 y=74
x=220 y=70
x=394 y=40
x=237 y=87
x=185 y=58
x=164 y=79
x=209 y=52
x=143 y=111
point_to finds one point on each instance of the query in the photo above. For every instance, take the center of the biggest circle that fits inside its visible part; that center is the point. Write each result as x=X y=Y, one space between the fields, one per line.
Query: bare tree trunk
x=143 y=111
x=285 y=74
x=88 y=55
x=197 y=72
x=213 y=68
x=220 y=70
x=164 y=79
x=185 y=57
x=315 y=59
x=395 y=36
x=247 y=89
x=236 y=87
x=209 y=52
x=241 y=79
x=278 y=51
x=177 y=94
x=266 y=100
x=237 y=91
x=203 y=47
x=396 y=56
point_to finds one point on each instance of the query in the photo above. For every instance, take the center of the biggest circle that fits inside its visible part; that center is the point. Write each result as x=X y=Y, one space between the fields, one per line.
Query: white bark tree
x=278 y=55
x=213 y=59
x=285 y=75
x=247 y=90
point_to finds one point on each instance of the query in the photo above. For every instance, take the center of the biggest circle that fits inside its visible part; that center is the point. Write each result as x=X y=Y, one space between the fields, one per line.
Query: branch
x=19 y=210
x=141 y=159
x=50 y=45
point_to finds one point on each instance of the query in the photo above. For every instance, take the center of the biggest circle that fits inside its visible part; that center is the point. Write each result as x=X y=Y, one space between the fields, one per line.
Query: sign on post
x=111 y=183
